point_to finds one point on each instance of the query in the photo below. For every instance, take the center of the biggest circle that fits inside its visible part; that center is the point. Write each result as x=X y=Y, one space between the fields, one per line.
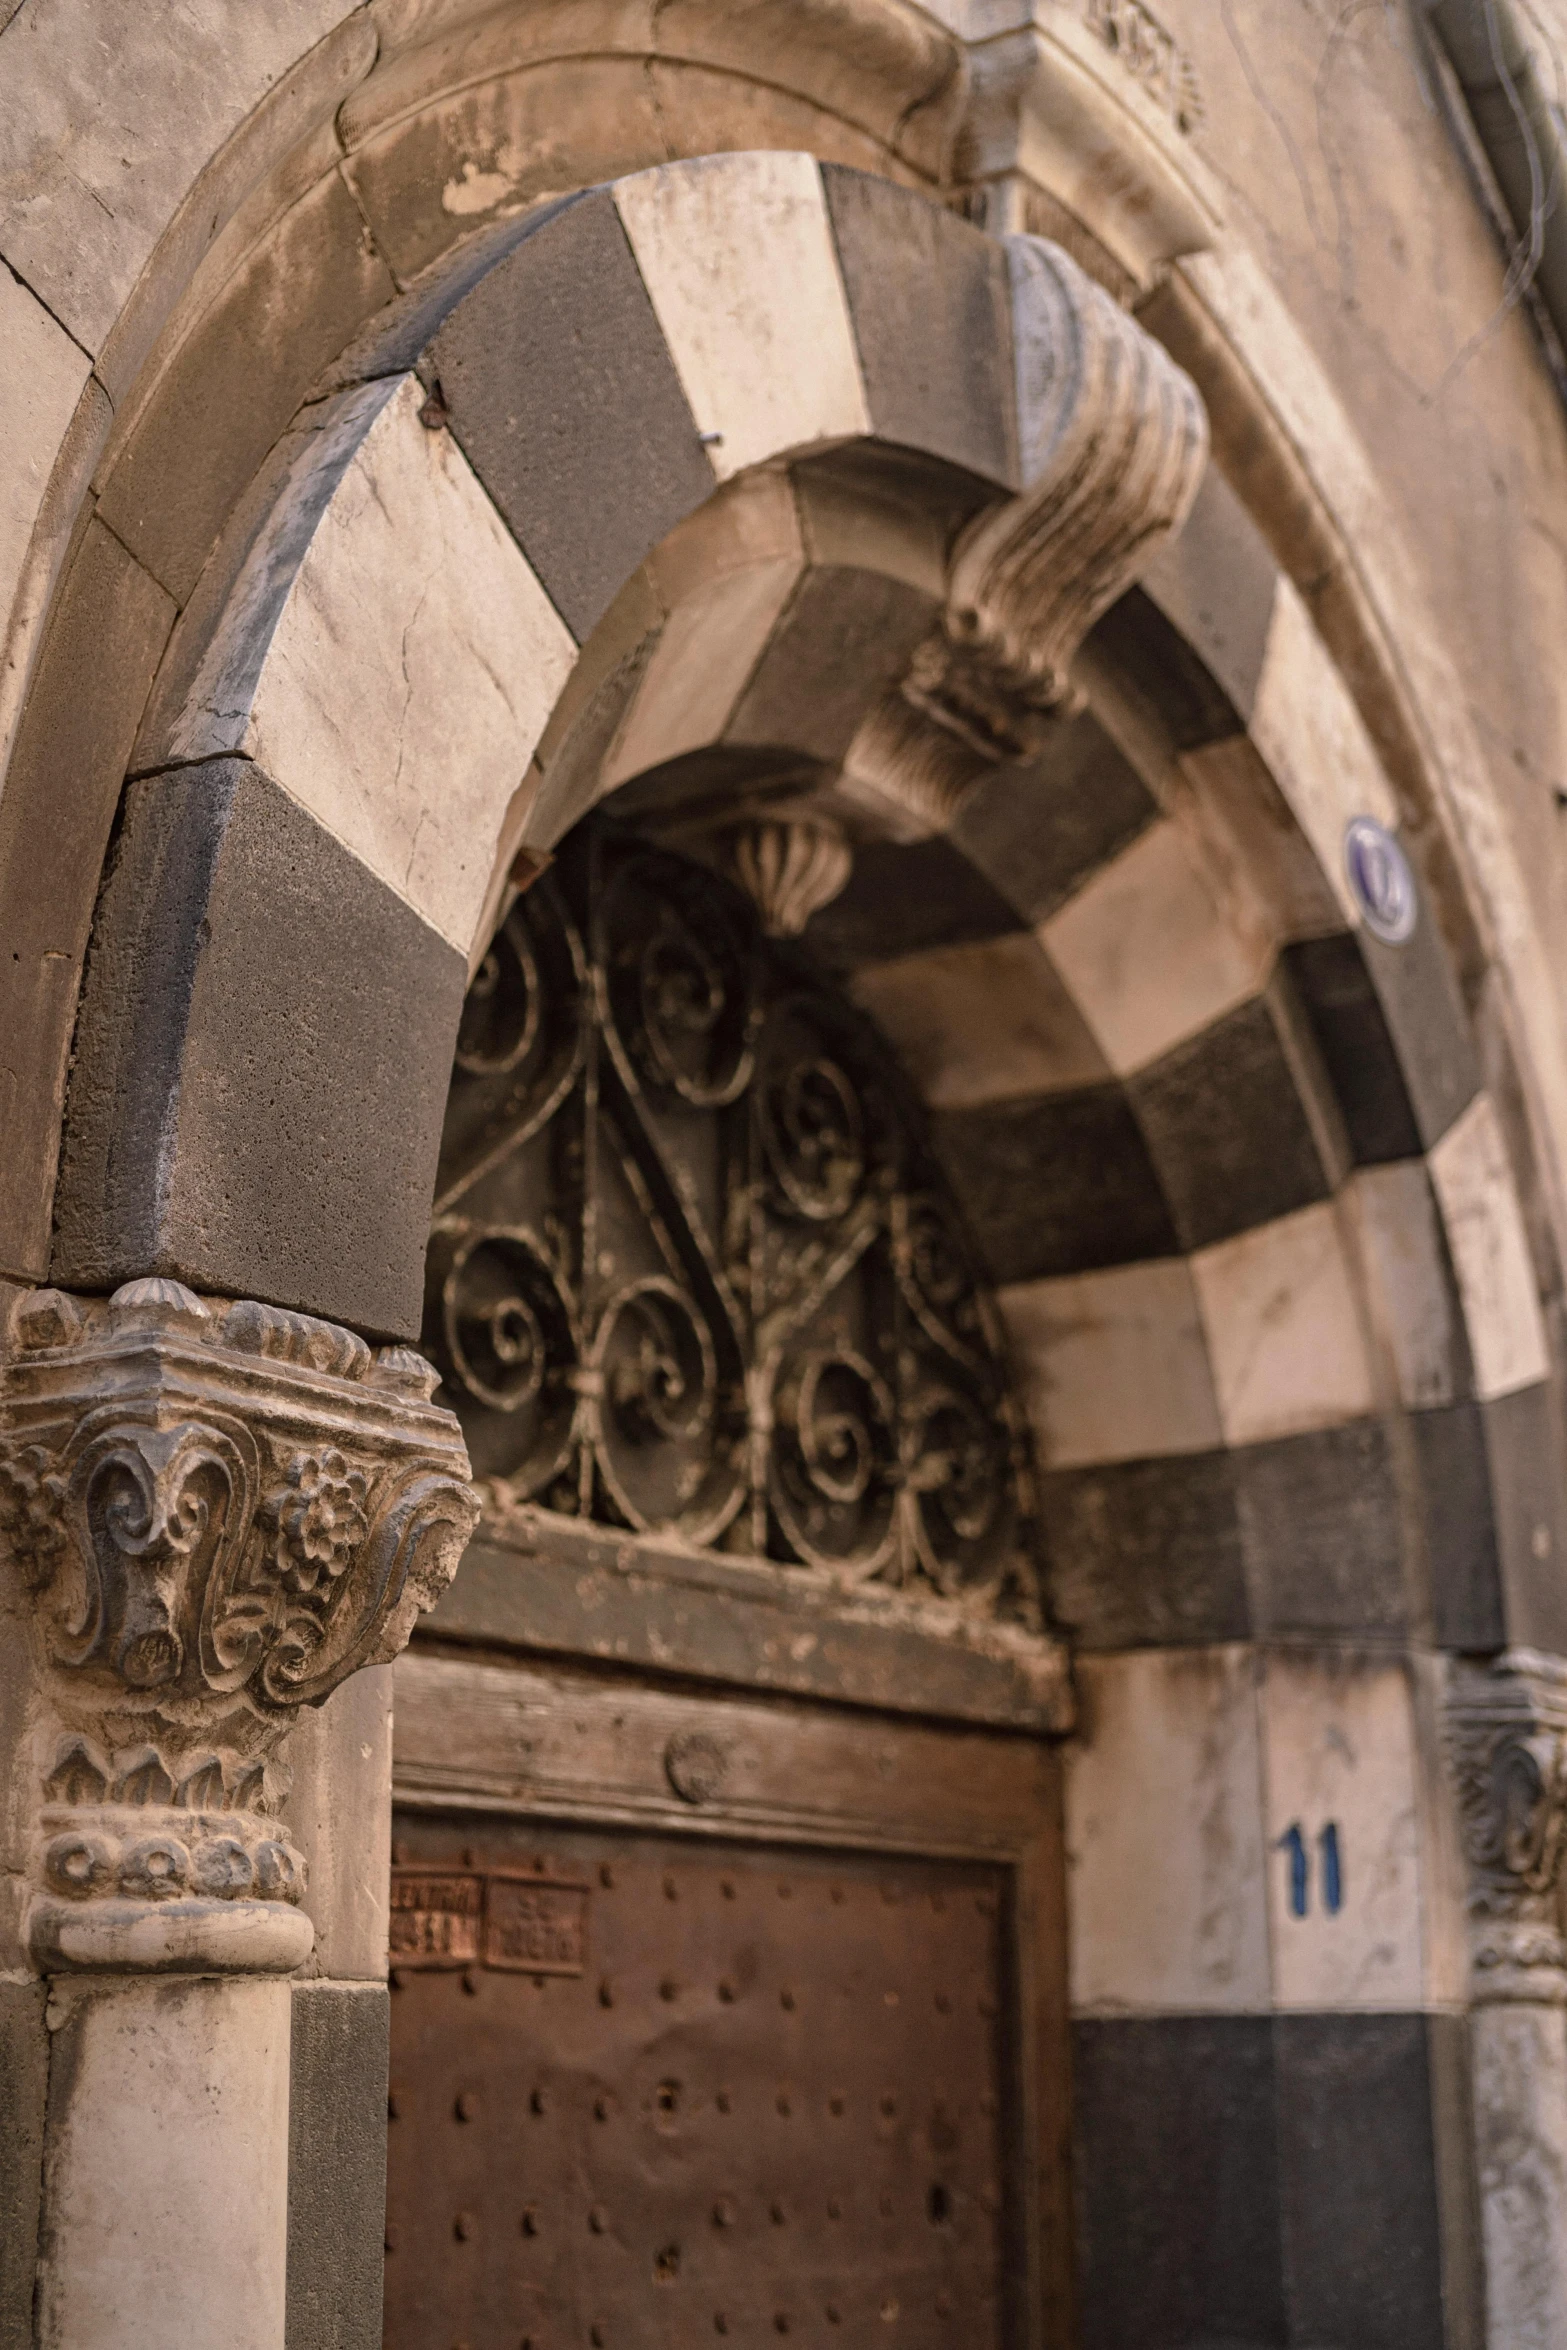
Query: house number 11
x=1294 y=1845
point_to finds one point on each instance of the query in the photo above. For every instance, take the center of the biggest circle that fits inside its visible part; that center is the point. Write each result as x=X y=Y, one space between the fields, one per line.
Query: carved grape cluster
x=32 y=1510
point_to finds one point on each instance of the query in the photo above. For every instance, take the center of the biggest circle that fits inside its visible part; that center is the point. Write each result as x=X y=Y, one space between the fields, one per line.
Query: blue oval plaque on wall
x=1381 y=880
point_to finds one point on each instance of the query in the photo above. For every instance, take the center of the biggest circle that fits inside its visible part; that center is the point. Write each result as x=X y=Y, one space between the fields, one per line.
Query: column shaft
x=166 y=2170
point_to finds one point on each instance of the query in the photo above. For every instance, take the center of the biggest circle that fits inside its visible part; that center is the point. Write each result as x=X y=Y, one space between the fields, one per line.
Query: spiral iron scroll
x=694 y=1271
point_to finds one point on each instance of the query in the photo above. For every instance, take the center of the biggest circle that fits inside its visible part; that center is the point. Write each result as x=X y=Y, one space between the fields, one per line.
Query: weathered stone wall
x=1326 y=133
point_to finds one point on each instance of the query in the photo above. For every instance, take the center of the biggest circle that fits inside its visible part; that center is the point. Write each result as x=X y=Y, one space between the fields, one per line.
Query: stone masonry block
x=257 y=1106
x=336 y=2166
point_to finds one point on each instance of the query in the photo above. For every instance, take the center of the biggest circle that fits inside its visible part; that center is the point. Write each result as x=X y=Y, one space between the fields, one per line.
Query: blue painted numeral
x=1293 y=1844
x=1332 y=1870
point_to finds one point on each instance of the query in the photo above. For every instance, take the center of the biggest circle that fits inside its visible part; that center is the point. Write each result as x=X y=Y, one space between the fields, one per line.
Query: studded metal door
x=649 y=2091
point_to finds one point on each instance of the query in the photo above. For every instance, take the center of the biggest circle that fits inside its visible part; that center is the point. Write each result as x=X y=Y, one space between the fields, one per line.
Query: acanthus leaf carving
x=220 y=1513
x=1507 y=1746
x=398 y=1572
x=156 y=1510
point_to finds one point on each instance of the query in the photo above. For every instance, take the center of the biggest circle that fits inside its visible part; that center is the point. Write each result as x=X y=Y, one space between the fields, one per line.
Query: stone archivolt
x=220 y=1512
x=1507 y=1741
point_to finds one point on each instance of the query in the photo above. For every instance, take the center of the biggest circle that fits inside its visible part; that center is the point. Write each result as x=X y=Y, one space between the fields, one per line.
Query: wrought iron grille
x=694 y=1270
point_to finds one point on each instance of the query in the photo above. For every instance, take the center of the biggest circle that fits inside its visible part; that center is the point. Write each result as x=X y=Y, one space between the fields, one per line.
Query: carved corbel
x=219 y=1511
x=1113 y=443
x=1113 y=440
x=1507 y=1745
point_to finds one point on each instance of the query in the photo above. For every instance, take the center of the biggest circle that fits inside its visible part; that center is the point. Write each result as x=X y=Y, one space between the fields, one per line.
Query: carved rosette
x=1507 y=1744
x=220 y=1511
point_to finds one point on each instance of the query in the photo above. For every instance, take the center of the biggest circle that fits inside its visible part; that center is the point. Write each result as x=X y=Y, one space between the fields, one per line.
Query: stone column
x=211 y=1513
x=1507 y=1733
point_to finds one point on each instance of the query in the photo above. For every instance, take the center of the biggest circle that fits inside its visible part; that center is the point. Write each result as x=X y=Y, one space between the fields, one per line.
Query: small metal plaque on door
x=535 y=1925
x=520 y=1922
x=435 y=1919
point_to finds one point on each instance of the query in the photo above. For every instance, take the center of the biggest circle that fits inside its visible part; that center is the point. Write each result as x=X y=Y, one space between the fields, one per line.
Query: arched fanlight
x=694 y=1270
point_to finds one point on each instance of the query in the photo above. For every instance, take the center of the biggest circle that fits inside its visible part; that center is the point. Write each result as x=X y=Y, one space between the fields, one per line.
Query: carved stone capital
x=1507 y=1744
x=219 y=1511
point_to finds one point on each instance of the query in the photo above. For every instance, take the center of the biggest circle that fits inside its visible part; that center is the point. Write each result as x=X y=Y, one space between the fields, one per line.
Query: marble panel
x=985 y=1021
x=1485 y=1232
x=564 y=397
x=1410 y=1289
x=1055 y=1183
x=904 y=897
x=337 y=2164
x=1113 y=1366
x=738 y=257
x=1165 y=1855
x=409 y=672
x=1146 y=1554
x=703 y=661
x=1322 y=1523
x=1343 y=1834
x=339 y=1814
x=1360 y=2200
x=1177 y=2174
x=1149 y=951
x=1230 y=1125
x=1215 y=580
x=1313 y=738
x=1348 y=1023
x=167 y=2164
x=1283 y=1332
x=1040 y=828
x=932 y=319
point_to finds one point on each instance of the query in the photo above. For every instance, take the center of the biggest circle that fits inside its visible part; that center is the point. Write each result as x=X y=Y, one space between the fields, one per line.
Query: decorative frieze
x=1152 y=56
x=1507 y=1742
x=219 y=1511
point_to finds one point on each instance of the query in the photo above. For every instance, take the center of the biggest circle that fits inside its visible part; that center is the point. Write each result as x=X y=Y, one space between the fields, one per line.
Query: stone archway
x=276 y=905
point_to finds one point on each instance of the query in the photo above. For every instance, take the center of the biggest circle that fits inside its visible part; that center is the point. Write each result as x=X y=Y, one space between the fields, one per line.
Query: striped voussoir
x=664 y=503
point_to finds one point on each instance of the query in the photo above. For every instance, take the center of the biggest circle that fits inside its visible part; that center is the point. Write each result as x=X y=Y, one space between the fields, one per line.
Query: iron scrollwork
x=694 y=1270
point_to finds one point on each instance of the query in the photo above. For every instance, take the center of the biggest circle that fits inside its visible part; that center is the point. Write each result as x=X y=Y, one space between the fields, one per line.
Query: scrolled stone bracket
x=217 y=1512
x=1506 y=1736
x=1113 y=442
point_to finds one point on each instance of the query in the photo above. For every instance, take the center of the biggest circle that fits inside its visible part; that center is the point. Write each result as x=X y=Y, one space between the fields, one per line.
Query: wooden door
x=736 y=2021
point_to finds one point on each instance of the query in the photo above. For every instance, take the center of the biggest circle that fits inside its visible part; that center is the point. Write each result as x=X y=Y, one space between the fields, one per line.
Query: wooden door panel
x=695 y=2089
